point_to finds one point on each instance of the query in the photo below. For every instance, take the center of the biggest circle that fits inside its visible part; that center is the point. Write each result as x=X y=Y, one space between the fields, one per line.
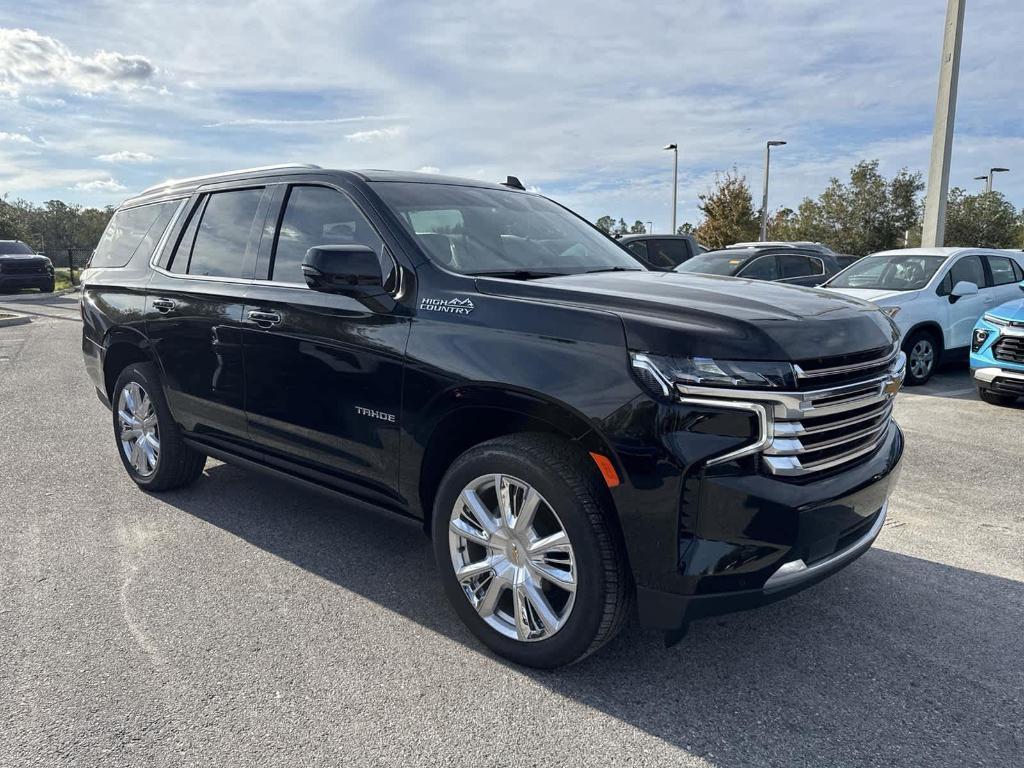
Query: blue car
x=997 y=353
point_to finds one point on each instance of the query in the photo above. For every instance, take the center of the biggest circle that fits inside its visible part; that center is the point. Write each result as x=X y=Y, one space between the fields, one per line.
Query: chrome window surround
x=781 y=414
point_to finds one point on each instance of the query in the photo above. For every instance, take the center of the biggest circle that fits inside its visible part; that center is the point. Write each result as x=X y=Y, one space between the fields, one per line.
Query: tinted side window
x=1018 y=273
x=969 y=268
x=793 y=265
x=316 y=216
x=222 y=235
x=668 y=253
x=132 y=230
x=639 y=249
x=1002 y=270
x=761 y=268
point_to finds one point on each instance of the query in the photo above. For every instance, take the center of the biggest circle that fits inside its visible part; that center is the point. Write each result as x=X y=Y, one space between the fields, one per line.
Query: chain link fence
x=73 y=260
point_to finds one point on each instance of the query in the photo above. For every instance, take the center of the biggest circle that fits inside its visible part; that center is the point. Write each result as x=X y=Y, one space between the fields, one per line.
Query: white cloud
x=15 y=138
x=274 y=121
x=30 y=60
x=126 y=157
x=428 y=169
x=376 y=134
x=100 y=185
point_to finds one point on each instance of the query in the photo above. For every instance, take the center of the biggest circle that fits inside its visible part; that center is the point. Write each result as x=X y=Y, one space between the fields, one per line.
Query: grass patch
x=62 y=278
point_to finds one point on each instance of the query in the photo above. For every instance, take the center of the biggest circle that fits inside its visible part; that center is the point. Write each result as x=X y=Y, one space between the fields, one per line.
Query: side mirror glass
x=964 y=288
x=353 y=270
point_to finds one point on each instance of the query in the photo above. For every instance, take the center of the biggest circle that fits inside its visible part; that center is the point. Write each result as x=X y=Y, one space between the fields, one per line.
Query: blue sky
x=100 y=99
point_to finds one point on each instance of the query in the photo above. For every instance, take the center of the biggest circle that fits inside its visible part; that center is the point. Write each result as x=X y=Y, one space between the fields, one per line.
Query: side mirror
x=963 y=288
x=353 y=270
x=1021 y=285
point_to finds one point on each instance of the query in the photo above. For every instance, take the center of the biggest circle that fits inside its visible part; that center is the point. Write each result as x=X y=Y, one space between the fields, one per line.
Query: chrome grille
x=821 y=429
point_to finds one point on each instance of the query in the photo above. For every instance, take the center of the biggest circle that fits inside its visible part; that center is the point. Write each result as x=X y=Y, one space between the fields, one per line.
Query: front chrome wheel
x=139 y=433
x=512 y=557
x=921 y=358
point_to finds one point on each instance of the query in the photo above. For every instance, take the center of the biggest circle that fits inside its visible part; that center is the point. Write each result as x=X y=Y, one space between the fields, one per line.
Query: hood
x=876 y=295
x=727 y=317
x=1011 y=310
x=22 y=257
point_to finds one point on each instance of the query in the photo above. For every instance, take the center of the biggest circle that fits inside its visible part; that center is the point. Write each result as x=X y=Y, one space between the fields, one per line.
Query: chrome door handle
x=264 y=319
x=164 y=305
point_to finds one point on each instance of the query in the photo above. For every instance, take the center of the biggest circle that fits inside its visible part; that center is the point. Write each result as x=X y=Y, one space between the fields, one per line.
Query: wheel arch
x=932 y=327
x=468 y=416
x=121 y=348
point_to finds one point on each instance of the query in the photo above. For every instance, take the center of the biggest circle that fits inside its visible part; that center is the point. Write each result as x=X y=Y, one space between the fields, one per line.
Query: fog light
x=980 y=335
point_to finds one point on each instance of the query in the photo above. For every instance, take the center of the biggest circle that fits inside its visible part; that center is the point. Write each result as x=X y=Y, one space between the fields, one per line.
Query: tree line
x=865 y=214
x=52 y=227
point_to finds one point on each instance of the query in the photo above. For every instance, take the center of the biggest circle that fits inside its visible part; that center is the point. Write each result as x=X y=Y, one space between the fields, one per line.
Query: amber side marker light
x=611 y=477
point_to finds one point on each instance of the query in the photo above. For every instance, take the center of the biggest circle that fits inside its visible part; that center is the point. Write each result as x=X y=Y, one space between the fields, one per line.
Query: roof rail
x=191 y=179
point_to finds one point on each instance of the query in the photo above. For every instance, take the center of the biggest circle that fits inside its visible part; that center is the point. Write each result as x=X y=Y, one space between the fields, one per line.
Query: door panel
x=324 y=382
x=195 y=328
x=965 y=311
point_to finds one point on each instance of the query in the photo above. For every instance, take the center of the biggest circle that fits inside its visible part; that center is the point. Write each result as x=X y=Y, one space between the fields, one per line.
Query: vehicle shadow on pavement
x=894 y=661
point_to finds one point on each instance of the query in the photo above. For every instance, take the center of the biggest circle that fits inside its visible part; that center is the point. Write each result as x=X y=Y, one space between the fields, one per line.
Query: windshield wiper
x=612 y=269
x=517 y=274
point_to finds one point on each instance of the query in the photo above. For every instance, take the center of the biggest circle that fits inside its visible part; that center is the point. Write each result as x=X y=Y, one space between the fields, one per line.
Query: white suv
x=934 y=295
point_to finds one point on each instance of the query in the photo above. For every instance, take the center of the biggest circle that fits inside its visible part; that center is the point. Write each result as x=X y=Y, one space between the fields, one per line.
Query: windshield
x=714 y=263
x=14 y=246
x=897 y=272
x=473 y=230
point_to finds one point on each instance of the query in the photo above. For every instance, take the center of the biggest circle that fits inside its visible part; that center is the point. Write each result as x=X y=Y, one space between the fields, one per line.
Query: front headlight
x=978 y=339
x=993 y=319
x=659 y=373
x=891 y=311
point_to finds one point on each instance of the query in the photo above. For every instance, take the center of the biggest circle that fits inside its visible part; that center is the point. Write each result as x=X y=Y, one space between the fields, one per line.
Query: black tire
x=569 y=482
x=992 y=398
x=177 y=465
x=48 y=288
x=916 y=345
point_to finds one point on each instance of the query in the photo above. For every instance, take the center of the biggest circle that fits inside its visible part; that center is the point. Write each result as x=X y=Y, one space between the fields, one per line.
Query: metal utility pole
x=650 y=227
x=991 y=172
x=934 y=230
x=764 y=200
x=675 y=181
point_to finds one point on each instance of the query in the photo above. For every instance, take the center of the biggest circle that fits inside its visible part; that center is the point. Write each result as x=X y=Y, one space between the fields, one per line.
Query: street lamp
x=675 y=180
x=764 y=200
x=650 y=227
x=991 y=171
x=981 y=178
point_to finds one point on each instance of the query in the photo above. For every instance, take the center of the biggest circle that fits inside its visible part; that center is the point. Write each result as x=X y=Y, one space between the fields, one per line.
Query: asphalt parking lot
x=245 y=622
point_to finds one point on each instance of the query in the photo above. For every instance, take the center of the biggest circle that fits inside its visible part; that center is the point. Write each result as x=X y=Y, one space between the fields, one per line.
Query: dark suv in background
x=769 y=262
x=576 y=433
x=21 y=267
x=661 y=253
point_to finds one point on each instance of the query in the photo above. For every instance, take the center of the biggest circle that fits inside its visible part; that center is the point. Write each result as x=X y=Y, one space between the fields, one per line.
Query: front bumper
x=760 y=539
x=17 y=282
x=1000 y=381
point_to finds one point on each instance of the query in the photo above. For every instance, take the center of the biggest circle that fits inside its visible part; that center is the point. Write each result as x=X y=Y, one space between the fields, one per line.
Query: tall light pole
x=982 y=178
x=934 y=230
x=650 y=227
x=764 y=200
x=675 y=180
x=991 y=171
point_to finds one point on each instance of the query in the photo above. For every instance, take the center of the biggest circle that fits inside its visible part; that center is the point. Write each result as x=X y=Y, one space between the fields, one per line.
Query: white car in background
x=934 y=295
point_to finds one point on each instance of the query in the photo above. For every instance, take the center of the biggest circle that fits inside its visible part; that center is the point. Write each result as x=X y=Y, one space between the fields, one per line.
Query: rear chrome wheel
x=512 y=557
x=140 y=430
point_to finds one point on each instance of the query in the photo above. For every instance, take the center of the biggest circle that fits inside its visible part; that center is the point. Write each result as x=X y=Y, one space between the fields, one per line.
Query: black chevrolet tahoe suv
x=21 y=267
x=577 y=434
